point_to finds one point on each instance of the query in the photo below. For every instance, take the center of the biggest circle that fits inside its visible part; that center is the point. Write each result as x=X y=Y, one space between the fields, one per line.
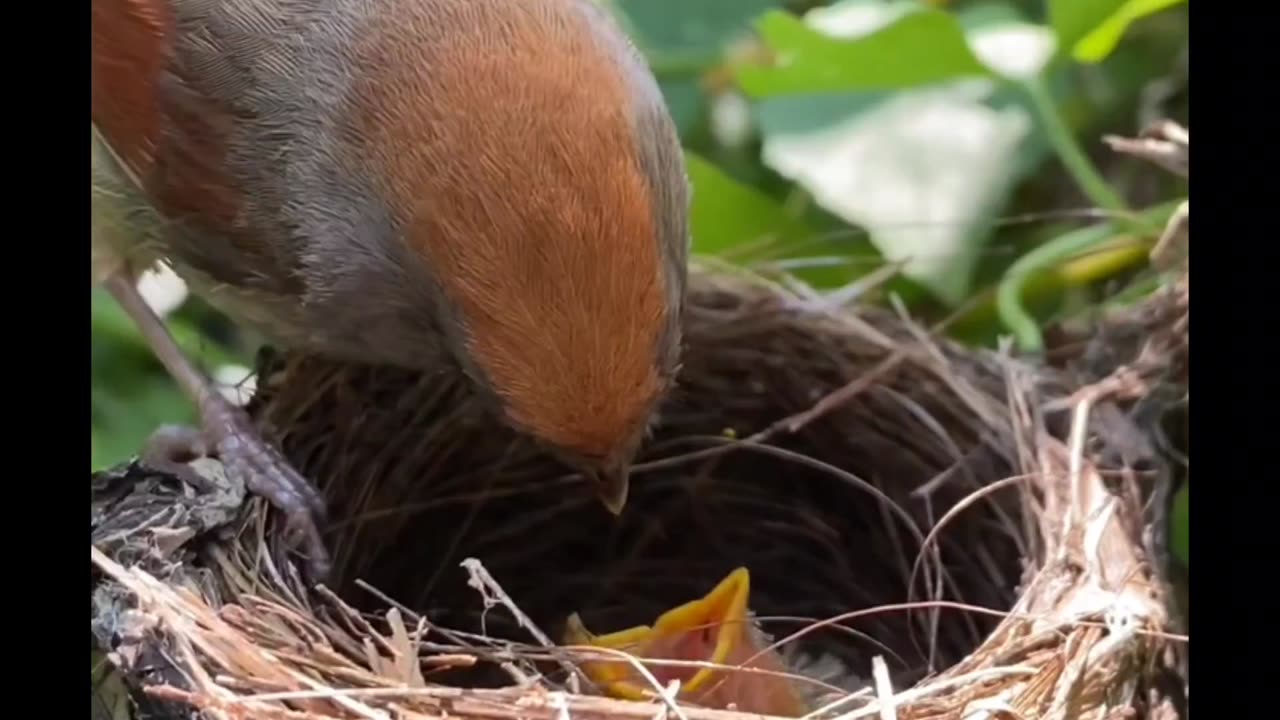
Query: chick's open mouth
x=705 y=630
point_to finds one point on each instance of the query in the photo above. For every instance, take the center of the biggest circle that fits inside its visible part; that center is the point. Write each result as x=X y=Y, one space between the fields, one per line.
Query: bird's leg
x=226 y=433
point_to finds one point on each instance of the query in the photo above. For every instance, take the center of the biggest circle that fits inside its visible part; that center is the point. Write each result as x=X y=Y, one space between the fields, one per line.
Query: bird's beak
x=678 y=634
x=612 y=485
x=722 y=614
x=716 y=629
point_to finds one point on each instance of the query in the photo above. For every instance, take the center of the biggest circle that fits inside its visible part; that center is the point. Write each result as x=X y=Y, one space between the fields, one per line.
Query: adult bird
x=493 y=185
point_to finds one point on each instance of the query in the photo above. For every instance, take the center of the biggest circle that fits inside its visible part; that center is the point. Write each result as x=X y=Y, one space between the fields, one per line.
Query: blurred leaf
x=680 y=25
x=923 y=171
x=734 y=221
x=685 y=101
x=1074 y=19
x=798 y=114
x=1005 y=42
x=1098 y=44
x=109 y=321
x=920 y=47
x=682 y=41
x=728 y=215
x=123 y=421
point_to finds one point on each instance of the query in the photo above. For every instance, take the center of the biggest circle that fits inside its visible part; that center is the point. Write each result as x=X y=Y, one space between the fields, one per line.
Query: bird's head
x=547 y=197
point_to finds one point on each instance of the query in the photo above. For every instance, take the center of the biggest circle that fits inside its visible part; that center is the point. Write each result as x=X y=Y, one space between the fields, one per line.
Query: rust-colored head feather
x=535 y=213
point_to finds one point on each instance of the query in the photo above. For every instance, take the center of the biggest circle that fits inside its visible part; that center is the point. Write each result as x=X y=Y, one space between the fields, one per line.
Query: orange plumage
x=488 y=184
x=568 y=333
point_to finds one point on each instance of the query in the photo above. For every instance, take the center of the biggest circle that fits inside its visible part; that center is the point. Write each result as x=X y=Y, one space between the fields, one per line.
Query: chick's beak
x=677 y=634
x=717 y=629
x=611 y=486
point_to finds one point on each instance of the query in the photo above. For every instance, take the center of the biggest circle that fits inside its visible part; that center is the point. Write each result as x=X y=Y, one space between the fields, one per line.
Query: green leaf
x=122 y=420
x=681 y=42
x=921 y=47
x=727 y=215
x=792 y=114
x=1098 y=44
x=684 y=26
x=1074 y=19
x=108 y=320
x=1005 y=42
x=685 y=101
x=922 y=171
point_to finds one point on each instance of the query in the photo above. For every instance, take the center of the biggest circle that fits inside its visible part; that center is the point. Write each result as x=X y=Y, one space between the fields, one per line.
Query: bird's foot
x=229 y=436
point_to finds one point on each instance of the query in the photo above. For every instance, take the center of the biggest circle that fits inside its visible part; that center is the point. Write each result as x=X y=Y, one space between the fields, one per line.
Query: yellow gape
x=715 y=629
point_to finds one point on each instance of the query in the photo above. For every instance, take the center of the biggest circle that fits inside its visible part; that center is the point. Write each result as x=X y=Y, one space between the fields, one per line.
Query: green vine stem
x=1064 y=143
x=1089 y=240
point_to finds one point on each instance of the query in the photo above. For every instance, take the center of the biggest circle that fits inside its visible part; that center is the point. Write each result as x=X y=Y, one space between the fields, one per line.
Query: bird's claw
x=229 y=436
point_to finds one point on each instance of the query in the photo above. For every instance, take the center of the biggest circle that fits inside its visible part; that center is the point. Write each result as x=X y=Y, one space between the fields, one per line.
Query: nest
x=963 y=532
x=957 y=533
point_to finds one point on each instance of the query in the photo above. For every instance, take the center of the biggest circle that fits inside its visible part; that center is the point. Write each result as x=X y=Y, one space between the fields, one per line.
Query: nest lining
x=829 y=512
x=816 y=544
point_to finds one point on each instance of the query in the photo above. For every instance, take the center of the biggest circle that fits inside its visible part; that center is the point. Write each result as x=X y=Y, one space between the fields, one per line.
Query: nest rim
x=254 y=573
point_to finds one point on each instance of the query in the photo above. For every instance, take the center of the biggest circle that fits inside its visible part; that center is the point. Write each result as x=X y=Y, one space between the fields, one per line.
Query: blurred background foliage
x=958 y=143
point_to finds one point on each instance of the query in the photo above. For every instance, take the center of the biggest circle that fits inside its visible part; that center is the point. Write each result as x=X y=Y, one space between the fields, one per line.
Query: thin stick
x=491 y=591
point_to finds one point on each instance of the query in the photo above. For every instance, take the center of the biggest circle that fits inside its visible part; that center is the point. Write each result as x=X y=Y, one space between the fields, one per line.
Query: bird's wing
x=174 y=91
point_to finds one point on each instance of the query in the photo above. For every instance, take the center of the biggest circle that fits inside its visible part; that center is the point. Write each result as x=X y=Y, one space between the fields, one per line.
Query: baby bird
x=717 y=629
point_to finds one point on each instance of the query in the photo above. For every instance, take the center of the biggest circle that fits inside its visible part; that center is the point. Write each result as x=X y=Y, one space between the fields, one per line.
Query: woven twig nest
x=960 y=512
x=947 y=533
